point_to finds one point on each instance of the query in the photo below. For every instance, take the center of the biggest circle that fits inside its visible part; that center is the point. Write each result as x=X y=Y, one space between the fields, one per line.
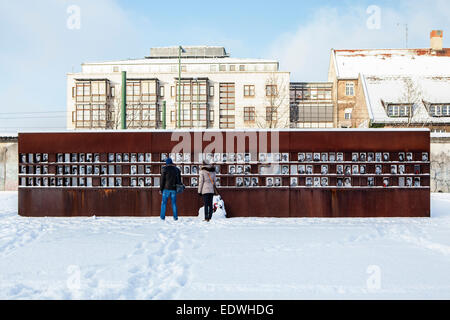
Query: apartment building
x=311 y=105
x=179 y=87
x=392 y=87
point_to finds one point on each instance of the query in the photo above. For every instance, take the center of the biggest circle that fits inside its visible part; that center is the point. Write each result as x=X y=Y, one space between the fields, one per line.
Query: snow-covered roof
x=420 y=90
x=350 y=63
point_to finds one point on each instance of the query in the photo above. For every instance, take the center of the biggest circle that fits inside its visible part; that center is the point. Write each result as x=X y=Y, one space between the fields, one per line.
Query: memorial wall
x=296 y=173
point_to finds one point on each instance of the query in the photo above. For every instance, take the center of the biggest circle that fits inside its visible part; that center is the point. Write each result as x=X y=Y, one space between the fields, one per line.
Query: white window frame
x=349 y=86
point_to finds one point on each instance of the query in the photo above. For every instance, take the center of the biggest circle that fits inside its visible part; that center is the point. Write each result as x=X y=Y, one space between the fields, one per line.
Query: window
x=161 y=91
x=241 y=67
x=249 y=114
x=211 y=91
x=222 y=67
x=439 y=110
x=172 y=91
x=213 y=68
x=113 y=91
x=249 y=91
x=348 y=114
x=271 y=90
x=115 y=69
x=226 y=105
x=394 y=110
x=271 y=114
x=349 y=89
x=172 y=116
x=232 y=67
x=183 y=69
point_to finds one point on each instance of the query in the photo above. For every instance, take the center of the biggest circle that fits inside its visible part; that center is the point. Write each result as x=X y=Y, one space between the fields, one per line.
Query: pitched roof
x=420 y=90
x=350 y=63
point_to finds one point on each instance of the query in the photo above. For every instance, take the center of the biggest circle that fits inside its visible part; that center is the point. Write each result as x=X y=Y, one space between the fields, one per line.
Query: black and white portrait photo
x=378 y=169
x=96 y=170
x=45 y=157
x=38 y=158
x=409 y=156
x=217 y=157
x=247 y=157
x=301 y=169
x=239 y=169
x=409 y=182
x=82 y=170
x=111 y=157
x=371 y=181
x=89 y=157
x=104 y=169
x=362 y=157
x=141 y=182
x=148 y=181
x=277 y=182
x=269 y=182
x=118 y=182
x=141 y=157
x=309 y=182
x=339 y=182
x=74 y=170
x=148 y=157
x=247 y=181
x=133 y=182
x=218 y=181
x=240 y=158
x=294 y=182
x=347 y=182
x=301 y=156
x=324 y=157
x=254 y=181
x=96 y=157
x=284 y=169
x=378 y=157
x=164 y=157
x=316 y=156
x=194 y=182
x=133 y=158
x=348 y=170
x=370 y=157
x=424 y=156
x=293 y=169
x=187 y=170
x=339 y=169
x=416 y=182
x=393 y=169
x=355 y=169
x=401 y=169
x=385 y=182
x=401 y=181
x=59 y=182
x=232 y=157
x=262 y=157
x=355 y=157
x=340 y=157
x=285 y=157
x=23 y=158
x=309 y=169
x=247 y=169
x=362 y=169
x=194 y=169
x=386 y=156
x=239 y=182
x=37 y=170
x=316 y=182
x=30 y=158
x=309 y=157
x=324 y=182
x=401 y=156
x=224 y=157
x=52 y=182
x=74 y=157
x=148 y=169
x=332 y=157
x=324 y=169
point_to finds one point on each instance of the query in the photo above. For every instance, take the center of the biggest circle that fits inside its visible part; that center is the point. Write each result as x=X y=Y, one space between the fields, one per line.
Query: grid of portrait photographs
x=234 y=170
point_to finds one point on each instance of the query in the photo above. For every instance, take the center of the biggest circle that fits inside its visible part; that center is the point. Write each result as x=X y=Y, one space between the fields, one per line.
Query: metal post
x=164 y=114
x=179 y=87
x=124 y=100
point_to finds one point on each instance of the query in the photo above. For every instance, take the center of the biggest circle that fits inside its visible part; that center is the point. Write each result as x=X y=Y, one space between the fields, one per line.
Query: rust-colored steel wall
x=359 y=201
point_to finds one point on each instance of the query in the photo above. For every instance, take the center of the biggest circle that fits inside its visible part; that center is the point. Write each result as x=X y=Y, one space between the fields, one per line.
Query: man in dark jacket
x=170 y=177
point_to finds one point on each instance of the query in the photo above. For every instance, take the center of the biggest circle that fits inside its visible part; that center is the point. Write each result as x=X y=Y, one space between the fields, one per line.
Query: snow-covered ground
x=145 y=258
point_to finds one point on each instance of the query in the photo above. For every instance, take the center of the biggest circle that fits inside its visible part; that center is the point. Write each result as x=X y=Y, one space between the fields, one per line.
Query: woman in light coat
x=206 y=188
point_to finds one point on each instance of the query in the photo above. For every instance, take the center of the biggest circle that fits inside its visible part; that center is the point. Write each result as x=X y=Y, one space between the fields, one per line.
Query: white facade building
x=216 y=92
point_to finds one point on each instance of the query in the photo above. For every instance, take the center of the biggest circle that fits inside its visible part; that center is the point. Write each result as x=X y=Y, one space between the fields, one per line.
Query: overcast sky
x=38 y=49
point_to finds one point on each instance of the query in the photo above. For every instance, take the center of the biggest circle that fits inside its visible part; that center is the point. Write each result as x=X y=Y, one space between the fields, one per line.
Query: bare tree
x=276 y=97
x=413 y=96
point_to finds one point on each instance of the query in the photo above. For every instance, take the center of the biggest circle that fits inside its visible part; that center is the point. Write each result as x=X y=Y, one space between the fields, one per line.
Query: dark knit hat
x=169 y=161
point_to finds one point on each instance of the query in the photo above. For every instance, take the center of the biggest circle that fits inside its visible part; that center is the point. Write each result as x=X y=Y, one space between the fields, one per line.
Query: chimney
x=436 y=37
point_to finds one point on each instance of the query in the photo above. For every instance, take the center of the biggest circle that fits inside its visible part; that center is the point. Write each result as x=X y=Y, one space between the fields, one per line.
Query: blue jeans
x=173 y=199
